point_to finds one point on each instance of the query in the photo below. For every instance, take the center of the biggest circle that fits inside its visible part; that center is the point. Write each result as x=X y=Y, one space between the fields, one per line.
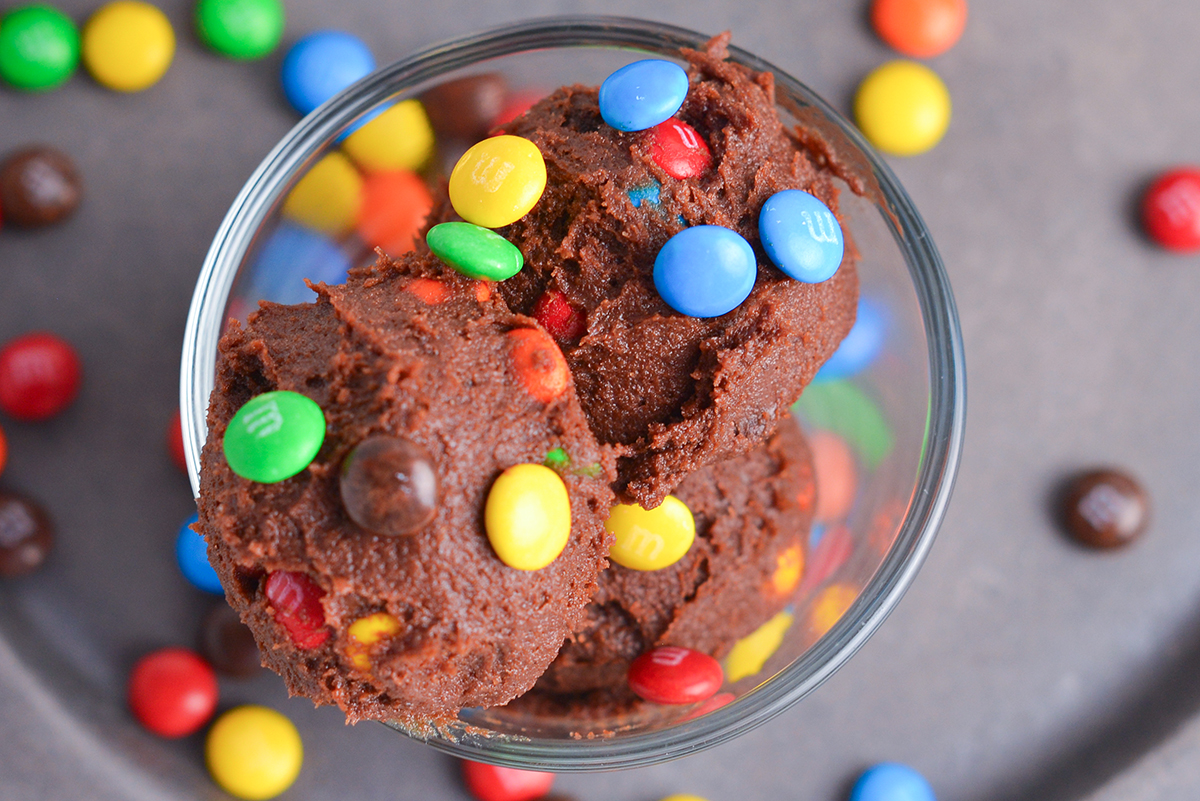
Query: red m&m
x=1171 y=210
x=679 y=149
x=561 y=320
x=494 y=783
x=672 y=675
x=39 y=376
x=172 y=691
x=296 y=600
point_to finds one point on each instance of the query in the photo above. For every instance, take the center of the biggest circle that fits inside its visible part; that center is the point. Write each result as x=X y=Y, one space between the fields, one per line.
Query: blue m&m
x=192 y=554
x=801 y=236
x=705 y=271
x=891 y=781
x=322 y=64
x=860 y=347
x=643 y=94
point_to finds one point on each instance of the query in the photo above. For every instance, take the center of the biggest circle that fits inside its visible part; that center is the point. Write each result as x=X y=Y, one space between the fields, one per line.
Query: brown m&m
x=38 y=186
x=466 y=108
x=1105 y=508
x=26 y=536
x=389 y=486
x=227 y=643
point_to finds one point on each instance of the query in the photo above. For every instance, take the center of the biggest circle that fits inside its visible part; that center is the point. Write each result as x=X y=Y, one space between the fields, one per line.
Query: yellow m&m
x=750 y=653
x=127 y=45
x=528 y=516
x=253 y=752
x=498 y=181
x=365 y=632
x=903 y=108
x=830 y=605
x=650 y=539
x=328 y=198
x=400 y=138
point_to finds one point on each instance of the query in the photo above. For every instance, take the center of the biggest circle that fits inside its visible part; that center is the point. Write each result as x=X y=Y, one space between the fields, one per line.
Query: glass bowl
x=895 y=402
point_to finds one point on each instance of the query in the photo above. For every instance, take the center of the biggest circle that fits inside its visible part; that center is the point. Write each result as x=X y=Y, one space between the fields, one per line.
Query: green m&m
x=475 y=251
x=39 y=47
x=274 y=436
x=240 y=29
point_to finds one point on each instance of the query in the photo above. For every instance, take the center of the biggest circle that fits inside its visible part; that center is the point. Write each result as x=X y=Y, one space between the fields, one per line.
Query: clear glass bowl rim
x=947 y=400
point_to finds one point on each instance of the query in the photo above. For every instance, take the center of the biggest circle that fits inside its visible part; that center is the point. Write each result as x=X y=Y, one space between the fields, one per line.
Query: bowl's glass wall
x=902 y=415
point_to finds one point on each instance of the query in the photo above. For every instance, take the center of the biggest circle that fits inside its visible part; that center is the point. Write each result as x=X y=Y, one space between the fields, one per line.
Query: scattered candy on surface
x=836 y=474
x=296 y=600
x=191 y=553
x=399 y=138
x=328 y=197
x=128 y=45
x=750 y=653
x=39 y=186
x=474 y=251
x=253 y=752
x=919 y=28
x=861 y=346
x=831 y=551
x=466 y=108
x=844 y=409
x=322 y=64
x=527 y=516
x=174 y=440
x=789 y=567
x=1105 y=508
x=673 y=675
x=172 y=692
x=650 y=539
x=227 y=643
x=538 y=363
x=389 y=485
x=891 y=781
x=705 y=271
x=643 y=94
x=394 y=209
x=497 y=181
x=40 y=376
x=801 y=236
x=26 y=536
x=561 y=320
x=679 y=149
x=494 y=783
x=1171 y=210
x=39 y=47
x=240 y=29
x=291 y=253
x=274 y=436
x=365 y=632
x=903 y=108
x=830 y=606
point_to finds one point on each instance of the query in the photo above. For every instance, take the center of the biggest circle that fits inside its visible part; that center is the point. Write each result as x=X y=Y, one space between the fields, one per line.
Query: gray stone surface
x=1019 y=666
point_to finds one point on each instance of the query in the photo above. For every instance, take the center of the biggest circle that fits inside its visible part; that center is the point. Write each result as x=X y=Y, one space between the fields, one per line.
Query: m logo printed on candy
x=264 y=421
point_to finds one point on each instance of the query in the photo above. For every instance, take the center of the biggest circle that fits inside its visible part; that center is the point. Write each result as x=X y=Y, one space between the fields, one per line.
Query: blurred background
x=1019 y=665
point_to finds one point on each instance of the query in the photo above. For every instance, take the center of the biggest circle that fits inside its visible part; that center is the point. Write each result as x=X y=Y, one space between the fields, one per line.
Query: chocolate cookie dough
x=416 y=626
x=752 y=519
x=672 y=392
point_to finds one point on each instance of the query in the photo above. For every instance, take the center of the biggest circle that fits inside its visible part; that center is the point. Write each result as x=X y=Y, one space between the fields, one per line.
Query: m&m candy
x=1105 y=508
x=240 y=29
x=40 y=376
x=26 y=536
x=322 y=64
x=474 y=251
x=174 y=441
x=750 y=653
x=296 y=600
x=498 y=181
x=830 y=606
x=191 y=552
x=389 y=485
x=801 y=236
x=274 y=436
x=673 y=675
x=705 y=271
x=227 y=643
x=861 y=346
x=253 y=752
x=650 y=539
x=527 y=516
x=365 y=632
x=328 y=197
x=39 y=47
x=495 y=783
x=172 y=692
x=39 y=186
x=292 y=253
x=538 y=363
x=561 y=320
x=891 y=781
x=903 y=108
x=643 y=94
x=679 y=149
x=1171 y=210
x=836 y=474
x=128 y=45
x=395 y=205
x=399 y=138
x=466 y=108
x=919 y=28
